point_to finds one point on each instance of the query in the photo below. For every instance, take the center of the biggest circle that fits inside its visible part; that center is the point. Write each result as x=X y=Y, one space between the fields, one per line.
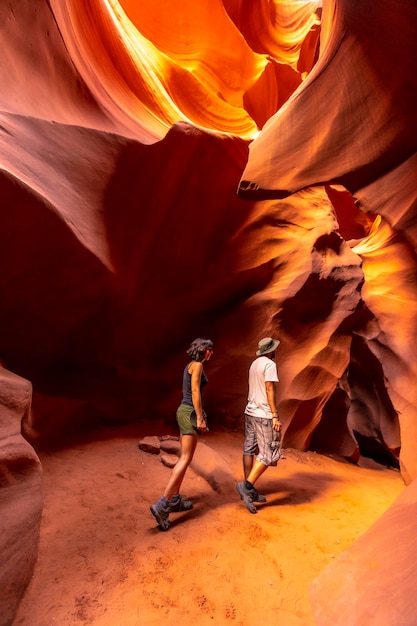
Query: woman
x=191 y=420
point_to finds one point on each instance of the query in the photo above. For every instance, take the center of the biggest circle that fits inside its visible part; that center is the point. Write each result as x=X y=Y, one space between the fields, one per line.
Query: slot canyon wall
x=230 y=169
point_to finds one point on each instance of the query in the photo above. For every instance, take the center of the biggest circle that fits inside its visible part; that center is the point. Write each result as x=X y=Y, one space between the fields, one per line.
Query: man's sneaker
x=178 y=504
x=256 y=496
x=161 y=511
x=247 y=496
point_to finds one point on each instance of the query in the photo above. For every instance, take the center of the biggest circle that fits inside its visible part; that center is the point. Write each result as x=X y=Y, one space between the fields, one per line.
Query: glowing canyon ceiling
x=230 y=169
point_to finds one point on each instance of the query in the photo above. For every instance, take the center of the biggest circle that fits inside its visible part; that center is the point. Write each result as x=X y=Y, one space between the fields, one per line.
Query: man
x=262 y=425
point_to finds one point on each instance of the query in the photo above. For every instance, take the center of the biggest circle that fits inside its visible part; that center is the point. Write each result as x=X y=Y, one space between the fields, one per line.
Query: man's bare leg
x=257 y=470
x=247 y=464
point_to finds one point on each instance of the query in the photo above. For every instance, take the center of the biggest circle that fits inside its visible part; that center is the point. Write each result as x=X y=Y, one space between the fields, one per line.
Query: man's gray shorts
x=262 y=440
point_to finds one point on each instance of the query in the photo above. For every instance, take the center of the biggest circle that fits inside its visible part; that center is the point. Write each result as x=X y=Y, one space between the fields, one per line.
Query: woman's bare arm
x=196 y=370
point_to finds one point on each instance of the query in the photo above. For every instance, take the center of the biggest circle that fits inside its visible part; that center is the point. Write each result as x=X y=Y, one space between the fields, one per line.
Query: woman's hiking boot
x=161 y=510
x=178 y=504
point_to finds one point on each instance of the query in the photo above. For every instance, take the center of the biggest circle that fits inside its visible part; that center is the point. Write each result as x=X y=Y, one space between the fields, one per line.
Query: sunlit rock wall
x=365 y=584
x=346 y=125
x=225 y=169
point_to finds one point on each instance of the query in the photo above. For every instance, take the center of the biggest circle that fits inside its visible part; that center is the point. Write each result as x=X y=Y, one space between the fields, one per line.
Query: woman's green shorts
x=184 y=413
x=187 y=420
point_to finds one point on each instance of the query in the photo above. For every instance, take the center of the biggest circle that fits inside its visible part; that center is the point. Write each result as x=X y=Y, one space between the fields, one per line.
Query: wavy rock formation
x=21 y=495
x=373 y=156
x=367 y=142
x=125 y=134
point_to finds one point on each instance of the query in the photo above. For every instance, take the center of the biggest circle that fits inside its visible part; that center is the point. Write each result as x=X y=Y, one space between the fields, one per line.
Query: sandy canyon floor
x=103 y=561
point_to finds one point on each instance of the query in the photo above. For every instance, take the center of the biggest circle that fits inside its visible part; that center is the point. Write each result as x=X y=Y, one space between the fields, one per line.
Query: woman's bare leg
x=188 y=445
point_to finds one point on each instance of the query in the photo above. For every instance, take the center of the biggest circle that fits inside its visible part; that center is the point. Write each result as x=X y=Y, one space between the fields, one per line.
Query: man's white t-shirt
x=261 y=371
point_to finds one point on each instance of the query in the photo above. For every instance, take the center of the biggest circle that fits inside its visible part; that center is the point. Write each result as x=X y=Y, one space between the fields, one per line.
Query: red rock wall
x=20 y=495
x=345 y=125
x=125 y=135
